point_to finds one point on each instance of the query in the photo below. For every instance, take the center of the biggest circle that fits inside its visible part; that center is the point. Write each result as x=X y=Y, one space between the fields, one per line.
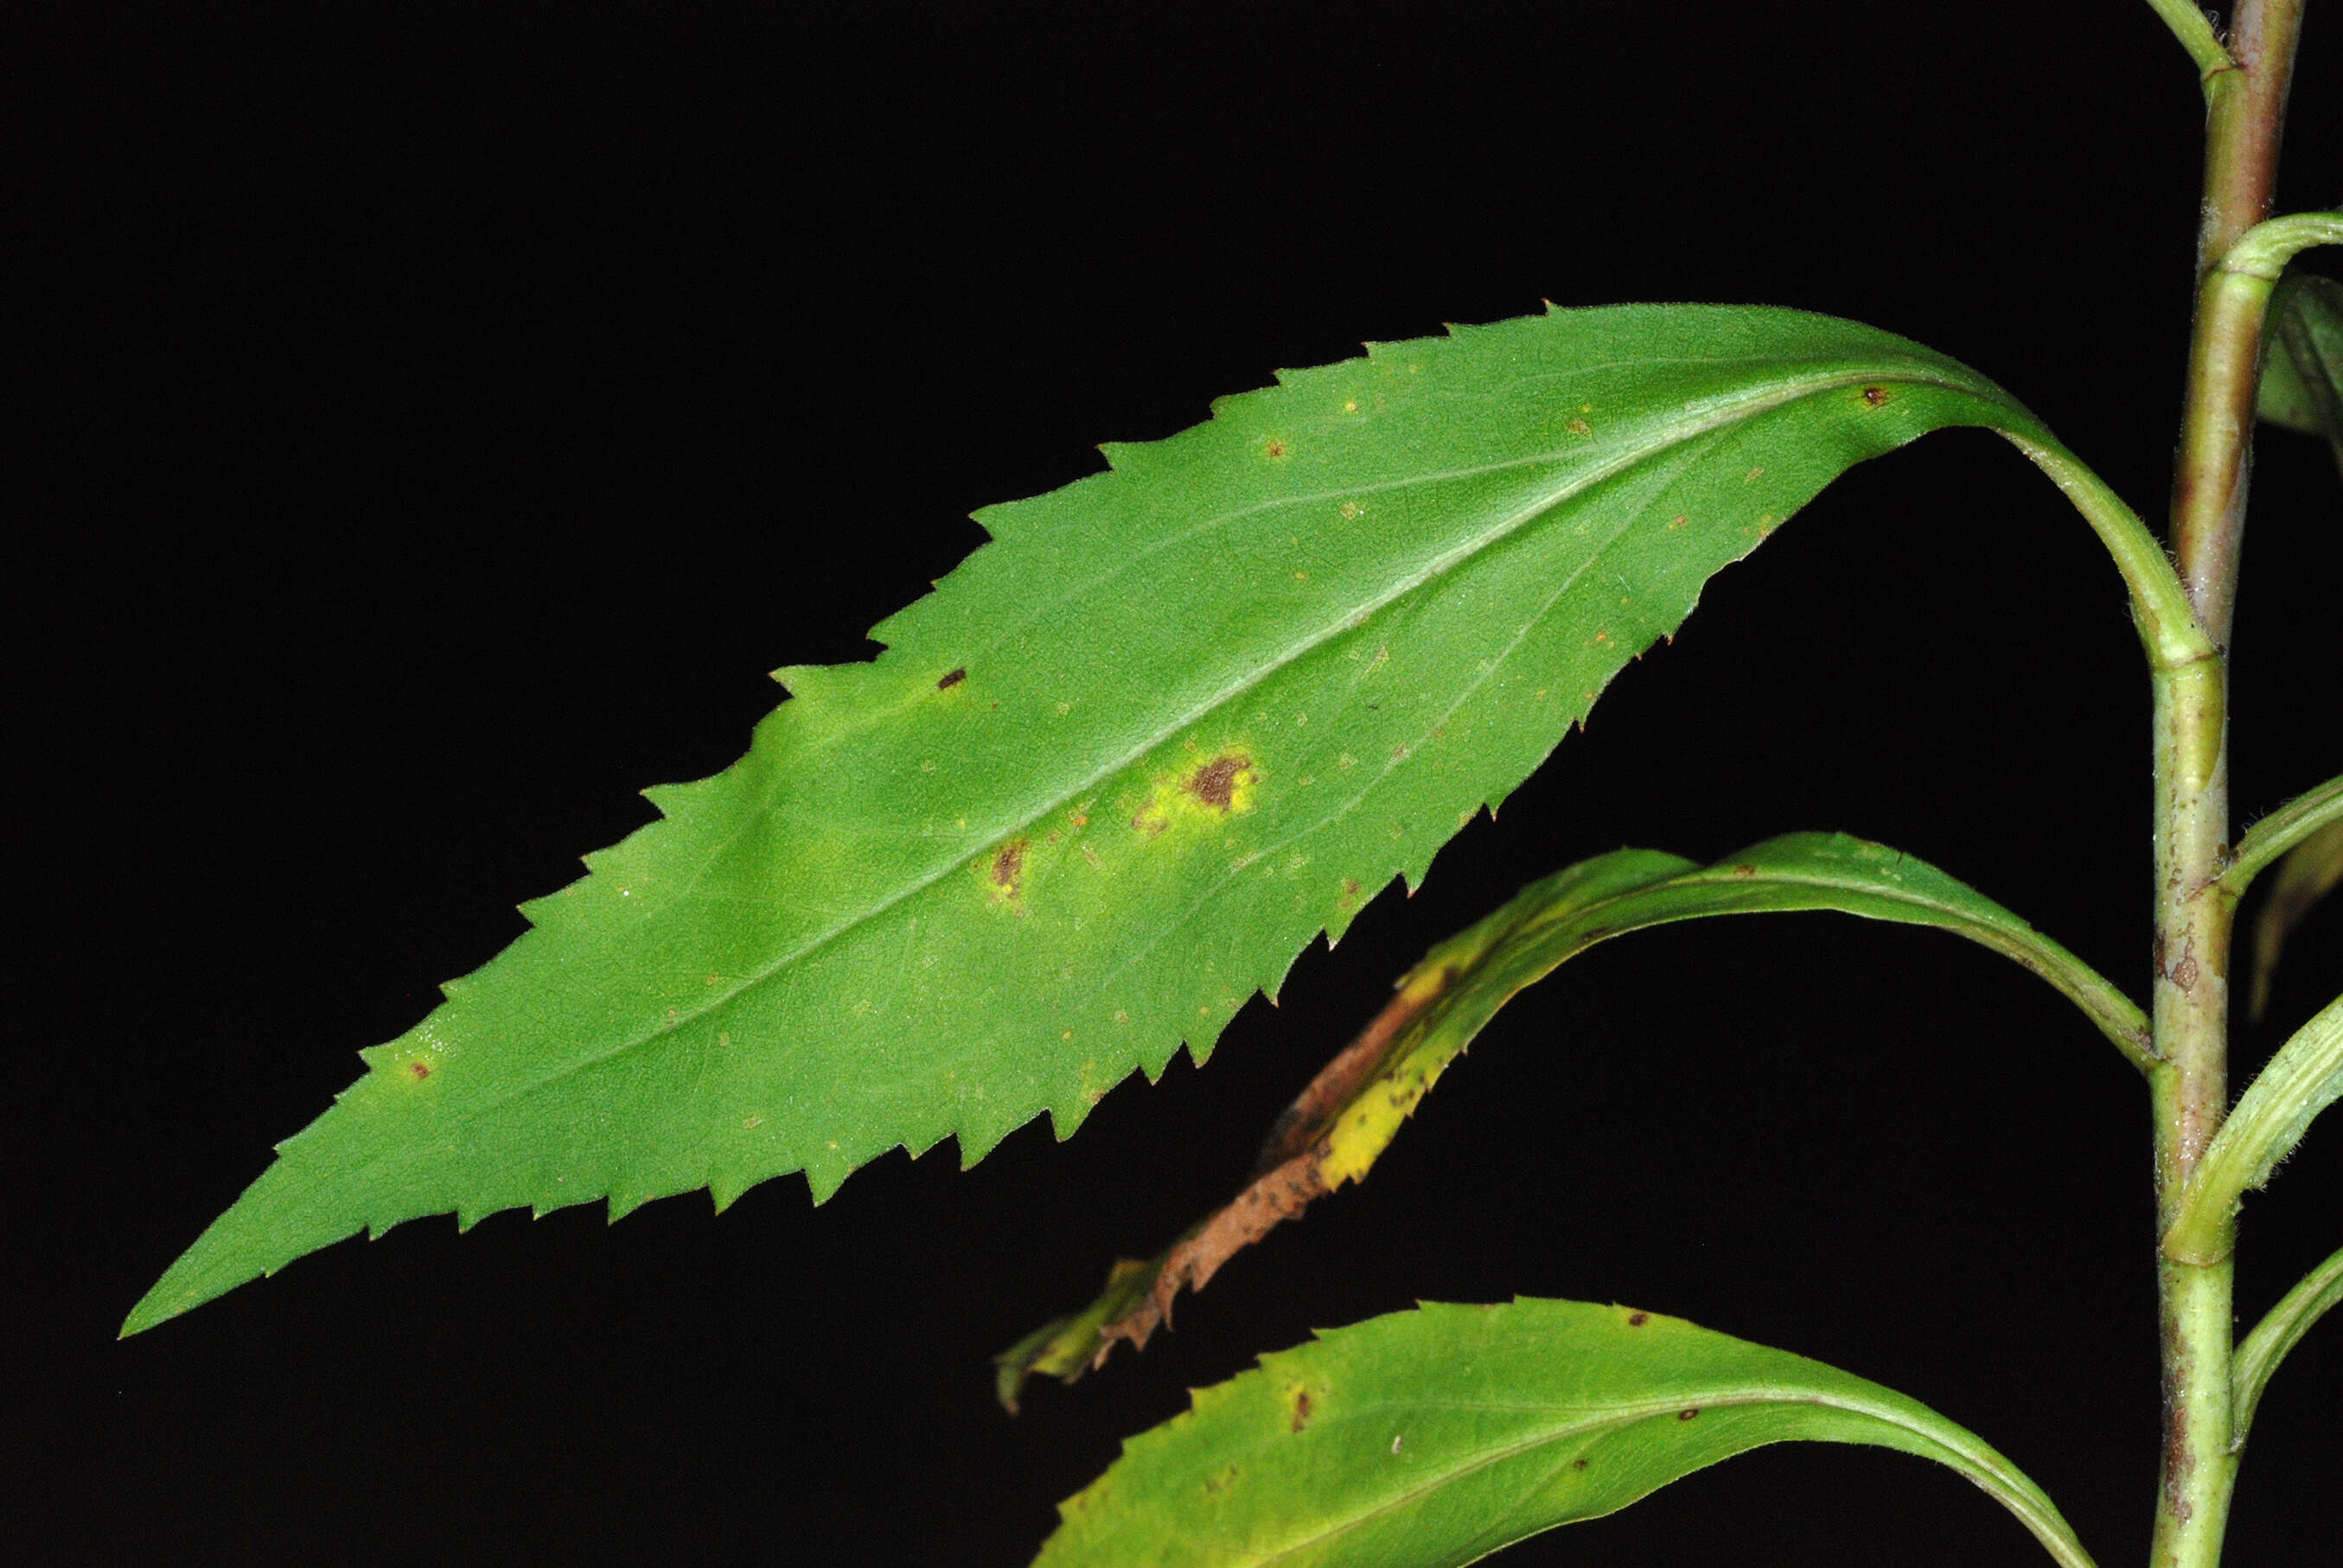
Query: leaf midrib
x=1620 y=1419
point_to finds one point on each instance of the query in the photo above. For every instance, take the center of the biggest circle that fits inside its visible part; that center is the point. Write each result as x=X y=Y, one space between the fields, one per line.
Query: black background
x=433 y=418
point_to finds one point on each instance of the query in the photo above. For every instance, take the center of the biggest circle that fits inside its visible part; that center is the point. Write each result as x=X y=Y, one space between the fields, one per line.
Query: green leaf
x=2302 y=1080
x=2308 y=873
x=2302 y=375
x=1104 y=785
x=2249 y=1372
x=1439 y=1435
x=1341 y=1124
x=2304 y=839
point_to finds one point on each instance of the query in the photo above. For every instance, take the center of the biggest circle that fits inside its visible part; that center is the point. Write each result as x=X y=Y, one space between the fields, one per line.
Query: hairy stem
x=2245 y=112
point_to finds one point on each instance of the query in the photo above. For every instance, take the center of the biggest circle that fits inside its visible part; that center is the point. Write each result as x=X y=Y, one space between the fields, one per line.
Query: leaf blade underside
x=1350 y=1112
x=1437 y=1436
x=1108 y=780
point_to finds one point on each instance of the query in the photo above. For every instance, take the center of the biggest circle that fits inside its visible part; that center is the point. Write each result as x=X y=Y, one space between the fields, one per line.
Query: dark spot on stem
x=952 y=679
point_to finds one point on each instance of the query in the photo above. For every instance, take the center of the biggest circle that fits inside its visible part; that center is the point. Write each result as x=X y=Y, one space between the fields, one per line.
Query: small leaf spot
x=1753 y=476
x=1687 y=1414
x=1215 y=783
x=1301 y=1408
x=1579 y=427
x=419 y=1070
x=751 y=1124
x=1273 y=447
x=1679 y=521
x=951 y=679
x=1876 y=396
x=1352 y=509
x=1578 y=1464
x=1008 y=867
x=1398 y=1438
x=1637 y=1320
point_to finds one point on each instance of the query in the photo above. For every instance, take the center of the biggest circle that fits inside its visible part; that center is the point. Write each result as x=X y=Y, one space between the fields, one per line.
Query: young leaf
x=2308 y=872
x=2258 y=1357
x=2302 y=1080
x=1176 y=720
x=2302 y=377
x=1351 y=1110
x=1440 y=1435
x=2304 y=839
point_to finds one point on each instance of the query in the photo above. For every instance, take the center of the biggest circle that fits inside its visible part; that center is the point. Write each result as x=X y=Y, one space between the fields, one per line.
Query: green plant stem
x=2245 y=112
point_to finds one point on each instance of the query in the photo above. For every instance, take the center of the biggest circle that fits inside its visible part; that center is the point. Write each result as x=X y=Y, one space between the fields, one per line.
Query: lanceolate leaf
x=2302 y=1080
x=2258 y=1357
x=1350 y=1113
x=1104 y=785
x=2302 y=377
x=2310 y=871
x=1437 y=1436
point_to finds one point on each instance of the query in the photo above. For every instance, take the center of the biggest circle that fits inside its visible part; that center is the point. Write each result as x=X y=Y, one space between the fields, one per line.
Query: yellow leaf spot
x=1751 y=477
x=1679 y=521
x=752 y=1121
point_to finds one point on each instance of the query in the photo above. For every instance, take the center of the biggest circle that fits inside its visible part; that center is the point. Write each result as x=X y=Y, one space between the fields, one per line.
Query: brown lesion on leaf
x=951 y=679
x=1202 y=793
x=1876 y=396
x=1002 y=871
x=1300 y=1409
x=418 y=1069
x=1216 y=783
x=1288 y=1176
